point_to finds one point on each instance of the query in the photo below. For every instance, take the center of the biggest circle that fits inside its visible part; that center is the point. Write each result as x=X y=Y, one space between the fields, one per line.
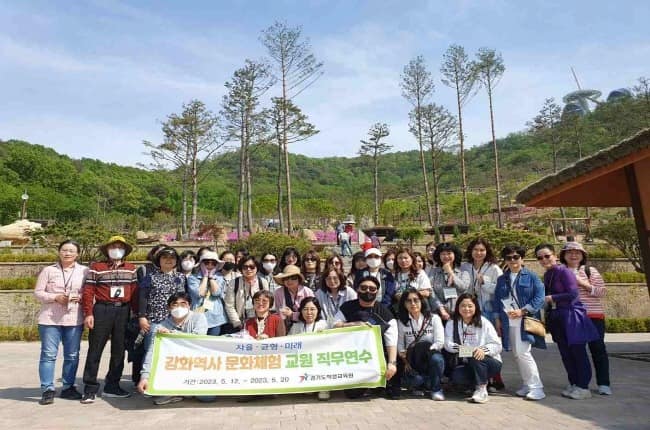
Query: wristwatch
x=394 y=363
x=524 y=312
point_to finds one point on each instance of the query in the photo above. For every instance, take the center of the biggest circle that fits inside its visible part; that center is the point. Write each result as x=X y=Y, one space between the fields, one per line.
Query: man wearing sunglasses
x=367 y=310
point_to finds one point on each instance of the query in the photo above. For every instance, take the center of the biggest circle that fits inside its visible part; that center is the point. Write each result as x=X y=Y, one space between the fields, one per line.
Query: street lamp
x=23 y=211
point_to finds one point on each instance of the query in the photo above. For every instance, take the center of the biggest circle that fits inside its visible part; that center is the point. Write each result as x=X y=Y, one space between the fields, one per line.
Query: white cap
x=372 y=251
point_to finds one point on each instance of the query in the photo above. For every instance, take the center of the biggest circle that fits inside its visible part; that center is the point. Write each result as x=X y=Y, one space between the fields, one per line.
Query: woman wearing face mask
x=154 y=292
x=519 y=292
x=289 y=256
x=269 y=270
x=447 y=280
x=408 y=276
x=188 y=263
x=358 y=265
x=207 y=288
x=333 y=292
x=389 y=260
x=568 y=322
x=239 y=299
x=311 y=269
x=384 y=276
x=60 y=320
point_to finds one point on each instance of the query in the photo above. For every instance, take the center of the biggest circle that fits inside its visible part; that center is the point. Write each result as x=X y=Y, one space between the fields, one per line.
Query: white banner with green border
x=185 y=364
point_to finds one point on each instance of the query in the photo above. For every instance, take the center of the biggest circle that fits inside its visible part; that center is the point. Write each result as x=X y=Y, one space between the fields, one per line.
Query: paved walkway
x=628 y=408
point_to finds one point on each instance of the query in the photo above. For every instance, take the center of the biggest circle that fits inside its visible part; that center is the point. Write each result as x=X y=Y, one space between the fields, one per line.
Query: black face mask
x=368 y=297
x=228 y=266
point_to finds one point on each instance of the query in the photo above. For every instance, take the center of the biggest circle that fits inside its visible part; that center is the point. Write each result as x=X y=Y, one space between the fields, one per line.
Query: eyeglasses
x=336 y=263
x=332 y=278
x=293 y=278
x=544 y=257
x=367 y=289
x=515 y=257
x=249 y=267
x=262 y=301
x=414 y=300
x=311 y=259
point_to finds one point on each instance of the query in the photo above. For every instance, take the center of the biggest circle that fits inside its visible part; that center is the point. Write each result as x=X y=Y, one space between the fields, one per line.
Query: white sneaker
x=535 y=394
x=580 y=393
x=480 y=395
x=438 y=396
x=522 y=391
x=568 y=390
x=604 y=390
x=323 y=395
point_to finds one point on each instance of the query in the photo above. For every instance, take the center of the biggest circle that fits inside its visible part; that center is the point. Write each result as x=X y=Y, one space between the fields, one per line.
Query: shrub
x=621 y=234
x=25 y=333
x=26 y=283
x=623 y=277
x=269 y=242
x=27 y=258
x=627 y=325
x=604 y=251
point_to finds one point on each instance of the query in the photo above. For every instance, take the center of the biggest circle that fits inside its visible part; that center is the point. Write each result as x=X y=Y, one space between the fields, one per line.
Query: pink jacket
x=50 y=283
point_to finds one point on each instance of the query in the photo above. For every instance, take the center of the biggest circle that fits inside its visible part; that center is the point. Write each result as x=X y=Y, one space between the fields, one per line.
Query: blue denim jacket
x=530 y=293
x=216 y=316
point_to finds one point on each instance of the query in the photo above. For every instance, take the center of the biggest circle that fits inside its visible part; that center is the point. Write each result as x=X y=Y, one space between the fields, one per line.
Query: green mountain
x=62 y=188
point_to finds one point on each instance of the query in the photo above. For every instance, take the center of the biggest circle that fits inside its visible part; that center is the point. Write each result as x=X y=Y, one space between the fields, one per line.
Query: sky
x=93 y=79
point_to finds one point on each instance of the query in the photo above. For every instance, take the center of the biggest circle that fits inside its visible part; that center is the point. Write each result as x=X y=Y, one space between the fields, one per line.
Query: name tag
x=117 y=292
x=208 y=304
x=449 y=293
x=509 y=304
x=249 y=304
x=465 y=351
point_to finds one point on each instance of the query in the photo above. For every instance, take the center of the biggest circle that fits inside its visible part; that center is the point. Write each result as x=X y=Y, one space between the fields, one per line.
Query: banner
x=185 y=364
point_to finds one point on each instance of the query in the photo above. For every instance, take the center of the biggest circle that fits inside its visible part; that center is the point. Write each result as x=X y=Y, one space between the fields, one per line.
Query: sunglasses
x=515 y=257
x=367 y=289
x=249 y=267
x=413 y=300
x=293 y=278
x=310 y=259
x=209 y=262
x=544 y=257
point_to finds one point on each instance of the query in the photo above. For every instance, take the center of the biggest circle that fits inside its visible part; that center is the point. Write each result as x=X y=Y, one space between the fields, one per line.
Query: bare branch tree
x=374 y=147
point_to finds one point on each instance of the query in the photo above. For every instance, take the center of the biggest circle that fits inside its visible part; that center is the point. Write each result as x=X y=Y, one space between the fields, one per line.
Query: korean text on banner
x=185 y=364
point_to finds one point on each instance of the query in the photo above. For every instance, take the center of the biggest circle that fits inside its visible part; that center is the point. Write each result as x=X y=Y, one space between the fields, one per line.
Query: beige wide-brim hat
x=114 y=239
x=213 y=256
x=289 y=271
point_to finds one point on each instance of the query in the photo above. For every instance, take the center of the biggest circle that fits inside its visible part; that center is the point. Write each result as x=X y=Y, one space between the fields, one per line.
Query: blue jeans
x=346 y=250
x=214 y=331
x=51 y=336
x=476 y=372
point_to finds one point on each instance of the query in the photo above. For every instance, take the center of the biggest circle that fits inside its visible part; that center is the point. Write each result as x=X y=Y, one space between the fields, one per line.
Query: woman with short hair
x=333 y=292
x=447 y=280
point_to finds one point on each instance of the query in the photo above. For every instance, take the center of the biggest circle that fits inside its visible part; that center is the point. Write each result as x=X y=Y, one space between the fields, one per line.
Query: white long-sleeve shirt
x=484 y=337
x=433 y=332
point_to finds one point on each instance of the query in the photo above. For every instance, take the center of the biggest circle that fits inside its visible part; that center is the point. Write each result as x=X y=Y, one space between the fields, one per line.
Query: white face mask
x=373 y=263
x=180 y=312
x=187 y=265
x=390 y=264
x=268 y=266
x=116 y=253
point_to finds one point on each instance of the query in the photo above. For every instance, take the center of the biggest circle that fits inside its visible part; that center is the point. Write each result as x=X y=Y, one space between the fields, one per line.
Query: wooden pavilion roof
x=598 y=180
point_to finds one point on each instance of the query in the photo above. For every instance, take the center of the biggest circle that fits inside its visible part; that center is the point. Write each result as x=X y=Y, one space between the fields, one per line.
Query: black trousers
x=110 y=322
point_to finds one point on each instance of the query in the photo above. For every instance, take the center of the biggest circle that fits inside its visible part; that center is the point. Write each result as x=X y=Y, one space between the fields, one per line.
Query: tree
x=374 y=147
x=490 y=70
x=296 y=69
x=460 y=74
x=439 y=126
x=289 y=125
x=245 y=124
x=623 y=236
x=190 y=140
x=417 y=86
x=642 y=92
x=546 y=125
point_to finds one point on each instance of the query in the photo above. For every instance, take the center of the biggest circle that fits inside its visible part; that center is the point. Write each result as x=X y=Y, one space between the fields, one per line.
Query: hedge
x=25 y=333
x=627 y=325
x=623 y=277
x=52 y=257
x=27 y=283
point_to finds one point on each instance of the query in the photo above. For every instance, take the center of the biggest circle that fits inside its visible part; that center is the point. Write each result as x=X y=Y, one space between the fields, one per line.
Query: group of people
x=444 y=315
